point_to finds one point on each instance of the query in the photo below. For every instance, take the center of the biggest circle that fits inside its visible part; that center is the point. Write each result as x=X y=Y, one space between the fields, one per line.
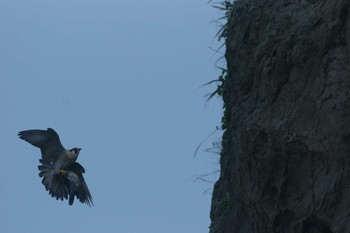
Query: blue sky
x=120 y=79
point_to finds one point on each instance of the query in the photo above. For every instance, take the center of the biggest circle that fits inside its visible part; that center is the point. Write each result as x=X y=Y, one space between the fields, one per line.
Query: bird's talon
x=63 y=172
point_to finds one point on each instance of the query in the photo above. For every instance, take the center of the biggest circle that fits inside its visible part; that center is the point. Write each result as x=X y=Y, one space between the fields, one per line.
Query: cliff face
x=285 y=161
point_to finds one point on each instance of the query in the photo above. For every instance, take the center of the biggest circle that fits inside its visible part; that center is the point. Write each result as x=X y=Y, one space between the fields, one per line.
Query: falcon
x=62 y=175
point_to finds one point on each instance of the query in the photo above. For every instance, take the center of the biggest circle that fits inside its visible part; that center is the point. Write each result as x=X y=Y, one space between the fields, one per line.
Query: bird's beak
x=79 y=149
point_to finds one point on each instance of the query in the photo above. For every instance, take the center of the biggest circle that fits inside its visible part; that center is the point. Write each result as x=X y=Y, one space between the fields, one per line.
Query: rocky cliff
x=285 y=161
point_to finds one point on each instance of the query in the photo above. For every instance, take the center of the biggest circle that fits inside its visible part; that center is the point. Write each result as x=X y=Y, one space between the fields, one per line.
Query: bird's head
x=75 y=150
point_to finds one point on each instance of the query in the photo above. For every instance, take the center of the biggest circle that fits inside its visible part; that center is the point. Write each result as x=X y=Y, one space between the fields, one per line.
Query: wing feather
x=71 y=185
x=47 y=140
x=77 y=182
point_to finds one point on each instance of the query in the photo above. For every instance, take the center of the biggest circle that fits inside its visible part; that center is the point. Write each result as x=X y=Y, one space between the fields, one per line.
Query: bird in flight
x=62 y=175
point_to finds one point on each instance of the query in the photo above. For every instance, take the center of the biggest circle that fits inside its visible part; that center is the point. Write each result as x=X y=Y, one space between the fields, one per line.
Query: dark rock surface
x=285 y=162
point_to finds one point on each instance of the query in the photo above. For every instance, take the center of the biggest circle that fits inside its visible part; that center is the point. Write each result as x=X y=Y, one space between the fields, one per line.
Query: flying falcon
x=62 y=175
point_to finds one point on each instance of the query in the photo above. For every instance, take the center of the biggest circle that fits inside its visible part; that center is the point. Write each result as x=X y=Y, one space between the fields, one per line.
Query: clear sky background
x=120 y=79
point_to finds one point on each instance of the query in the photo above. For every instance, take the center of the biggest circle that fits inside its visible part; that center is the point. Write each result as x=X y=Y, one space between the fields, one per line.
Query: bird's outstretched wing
x=47 y=140
x=77 y=185
x=66 y=185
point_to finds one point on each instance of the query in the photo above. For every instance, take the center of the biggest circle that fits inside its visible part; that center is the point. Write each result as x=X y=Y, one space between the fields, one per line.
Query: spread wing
x=47 y=140
x=66 y=185
x=77 y=185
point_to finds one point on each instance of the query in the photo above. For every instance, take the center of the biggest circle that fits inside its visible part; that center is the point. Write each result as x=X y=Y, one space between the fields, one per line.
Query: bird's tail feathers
x=53 y=182
x=47 y=172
